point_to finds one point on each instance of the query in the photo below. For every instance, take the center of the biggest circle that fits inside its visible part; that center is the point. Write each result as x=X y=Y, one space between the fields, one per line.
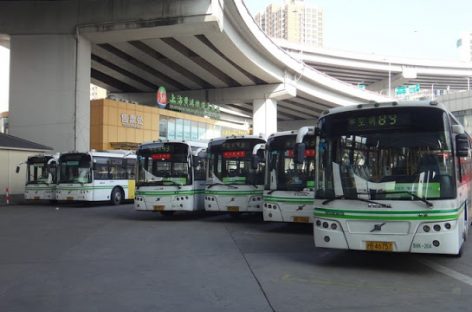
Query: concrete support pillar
x=264 y=117
x=50 y=90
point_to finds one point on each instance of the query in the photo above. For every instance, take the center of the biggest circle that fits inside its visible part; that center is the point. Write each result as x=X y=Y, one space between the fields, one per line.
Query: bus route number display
x=376 y=122
x=164 y=148
x=235 y=145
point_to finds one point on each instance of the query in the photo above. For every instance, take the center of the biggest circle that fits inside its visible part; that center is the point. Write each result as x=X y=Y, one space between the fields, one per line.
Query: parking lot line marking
x=449 y=272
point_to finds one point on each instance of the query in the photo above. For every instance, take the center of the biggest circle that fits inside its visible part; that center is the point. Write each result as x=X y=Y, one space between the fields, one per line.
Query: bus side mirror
x=272 y=162
x=299 y=153
x=17 y=169
x=462 y=145
x=254 y=162
x=257 y=158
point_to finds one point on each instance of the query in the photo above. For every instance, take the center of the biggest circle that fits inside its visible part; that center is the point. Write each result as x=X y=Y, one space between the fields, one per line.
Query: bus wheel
x=116 y=196
x=167 y=213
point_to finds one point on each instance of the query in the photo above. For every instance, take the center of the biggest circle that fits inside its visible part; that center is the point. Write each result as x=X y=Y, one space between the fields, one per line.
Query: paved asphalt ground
x=104 y=258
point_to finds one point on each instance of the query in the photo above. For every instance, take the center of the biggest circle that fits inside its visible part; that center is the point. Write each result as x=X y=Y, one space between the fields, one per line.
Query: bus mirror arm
x=254 y=161
x=299 y=153
x=17 y=170
x=257 y=155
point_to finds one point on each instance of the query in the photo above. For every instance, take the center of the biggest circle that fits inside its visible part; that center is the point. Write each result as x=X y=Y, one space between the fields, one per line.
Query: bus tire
x=459 y=253
x=116 y=196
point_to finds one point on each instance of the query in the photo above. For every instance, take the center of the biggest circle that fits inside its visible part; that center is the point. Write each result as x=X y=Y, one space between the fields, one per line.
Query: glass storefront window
x=179 y=129
x=184 y=129
x=201 y=131
x=194 y=131
x=171 y=129
x=187 y=135
x=217 y=132
x=163 y=127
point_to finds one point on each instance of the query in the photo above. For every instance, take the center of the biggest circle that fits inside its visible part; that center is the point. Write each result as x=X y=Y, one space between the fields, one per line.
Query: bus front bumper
x=233 y=204
x=440 y=237
x=157 y=203
x=287 y=213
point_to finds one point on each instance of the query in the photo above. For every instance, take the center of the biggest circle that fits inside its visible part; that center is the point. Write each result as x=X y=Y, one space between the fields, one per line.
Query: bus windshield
x=38 y=171
x=290 y=176
x=230 y=162
x=386 y=154
x=164 y=164
x=75 y=168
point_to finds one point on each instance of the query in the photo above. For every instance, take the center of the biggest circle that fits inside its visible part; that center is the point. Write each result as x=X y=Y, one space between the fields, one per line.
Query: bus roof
x=192 y=144
x=375 y=105
x=234 y=137
x=44 y=155
x=283 y=133
x=117 y=154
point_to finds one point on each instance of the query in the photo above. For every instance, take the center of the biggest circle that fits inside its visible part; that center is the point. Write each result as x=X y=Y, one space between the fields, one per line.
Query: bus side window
x=100 y=168
x=130 y=169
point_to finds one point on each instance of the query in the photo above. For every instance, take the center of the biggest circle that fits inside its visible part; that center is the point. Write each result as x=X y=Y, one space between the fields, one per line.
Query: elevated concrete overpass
x=373 y=71
x=207 y=48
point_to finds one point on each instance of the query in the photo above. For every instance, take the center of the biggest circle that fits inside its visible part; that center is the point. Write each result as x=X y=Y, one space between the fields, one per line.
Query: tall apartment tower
x=464 y=46
x=293 y=21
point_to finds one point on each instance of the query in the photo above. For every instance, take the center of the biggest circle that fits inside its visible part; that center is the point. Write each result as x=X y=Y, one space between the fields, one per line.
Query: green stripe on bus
x=62 y=188
x=388 y=218
x=341 y=212
x=168 y=193
x=234 y=193
x=293 y=200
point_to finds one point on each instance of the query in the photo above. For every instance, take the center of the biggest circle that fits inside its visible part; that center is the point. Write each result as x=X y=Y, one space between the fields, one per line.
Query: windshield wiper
x=228 y=185
x=172 y=183
x=424 y=200
x=356 y=198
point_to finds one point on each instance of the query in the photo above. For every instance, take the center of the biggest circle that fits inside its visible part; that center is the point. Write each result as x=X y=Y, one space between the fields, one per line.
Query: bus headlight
x=437 y=226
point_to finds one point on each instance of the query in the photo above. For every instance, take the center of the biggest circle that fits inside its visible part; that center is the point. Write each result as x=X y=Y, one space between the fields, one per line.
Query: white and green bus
x=41 y=177
x=289 y=186
x=96 y=176
x=170 y=177
x=233 y=184
x=392 y=177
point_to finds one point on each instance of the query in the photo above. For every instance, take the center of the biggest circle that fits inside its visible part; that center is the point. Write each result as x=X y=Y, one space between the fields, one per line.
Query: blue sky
x=425 y=29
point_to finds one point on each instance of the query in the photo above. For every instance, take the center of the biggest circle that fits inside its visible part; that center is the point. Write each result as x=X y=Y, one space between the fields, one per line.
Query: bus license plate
x=158 y=208
x=301 y=219
x=70 y=198
x=378 y=246
x=233 y=208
